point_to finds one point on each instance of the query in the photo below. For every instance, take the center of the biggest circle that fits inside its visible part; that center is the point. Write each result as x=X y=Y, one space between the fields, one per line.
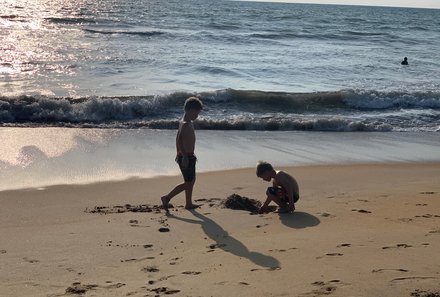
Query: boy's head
x=193 y=103
x=265 y=170
x=193 y=106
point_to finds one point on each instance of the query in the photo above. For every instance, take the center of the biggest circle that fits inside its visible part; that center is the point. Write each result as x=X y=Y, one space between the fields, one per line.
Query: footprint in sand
x=267 y=269
x=386 y=269
x=412 y=278
x=191 y=272
x=334 y=254
x=437 y=231
x=79 y=289
x=32 y=261
x=428 y=216
x=211 y=201
x=361 y=210
x=421 y=293
x=260 y=226
x=164 y=290
x=327 y=215
x=331 y=255
x=400 y=245
x=427 y=193
x=138 y=260
x=325 y=288
x=113 y=286
x=150 y=269
x=164 y=278
x=282 y=250
x=216 y=245
x=2 y=251
x=405 y=220
x=174 y=261
x=383 y=196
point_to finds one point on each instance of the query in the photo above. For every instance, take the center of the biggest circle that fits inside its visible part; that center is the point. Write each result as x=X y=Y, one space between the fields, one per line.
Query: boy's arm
x=265 y=205
x=183 y=142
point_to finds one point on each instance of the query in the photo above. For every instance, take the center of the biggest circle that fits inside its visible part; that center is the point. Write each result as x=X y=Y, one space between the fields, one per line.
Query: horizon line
x=338 y=4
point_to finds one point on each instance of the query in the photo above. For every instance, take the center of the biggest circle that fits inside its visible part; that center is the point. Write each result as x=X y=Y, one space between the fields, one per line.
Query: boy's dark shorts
x=280 y=192
x=189 y=173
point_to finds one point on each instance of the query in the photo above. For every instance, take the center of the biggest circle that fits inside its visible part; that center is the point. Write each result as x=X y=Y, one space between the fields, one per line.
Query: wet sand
x=359 y=230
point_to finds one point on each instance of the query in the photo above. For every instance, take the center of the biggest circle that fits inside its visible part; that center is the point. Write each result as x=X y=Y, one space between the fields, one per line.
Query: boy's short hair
x=193 y=103
x=263 y=167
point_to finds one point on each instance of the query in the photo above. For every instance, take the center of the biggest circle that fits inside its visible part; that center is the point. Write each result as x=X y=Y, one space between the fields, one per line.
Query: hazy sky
x=398 y=3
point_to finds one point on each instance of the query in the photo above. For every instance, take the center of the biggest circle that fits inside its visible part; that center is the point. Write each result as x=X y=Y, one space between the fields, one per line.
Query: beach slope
x=359 y=230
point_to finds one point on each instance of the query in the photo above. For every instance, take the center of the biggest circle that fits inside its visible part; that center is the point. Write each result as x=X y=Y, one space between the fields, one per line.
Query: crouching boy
x=284 y=191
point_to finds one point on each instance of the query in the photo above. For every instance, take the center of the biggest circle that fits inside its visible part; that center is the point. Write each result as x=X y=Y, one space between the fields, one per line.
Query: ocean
x=257 y=66
x=263 y=71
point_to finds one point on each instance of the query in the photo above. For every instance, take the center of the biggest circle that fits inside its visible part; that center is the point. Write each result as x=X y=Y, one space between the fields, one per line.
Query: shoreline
x=358 y=230
x=78 y=156
x=177 y=177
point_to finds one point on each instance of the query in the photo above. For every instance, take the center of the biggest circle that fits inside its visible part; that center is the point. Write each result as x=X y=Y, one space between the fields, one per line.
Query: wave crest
x=228 y=109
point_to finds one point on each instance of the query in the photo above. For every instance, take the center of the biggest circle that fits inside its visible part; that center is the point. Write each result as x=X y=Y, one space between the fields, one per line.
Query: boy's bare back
x=286 y=181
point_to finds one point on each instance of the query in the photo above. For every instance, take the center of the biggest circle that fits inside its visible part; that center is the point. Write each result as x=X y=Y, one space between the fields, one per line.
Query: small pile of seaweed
x=124 y=208
x=236 y=201
x=421 y=293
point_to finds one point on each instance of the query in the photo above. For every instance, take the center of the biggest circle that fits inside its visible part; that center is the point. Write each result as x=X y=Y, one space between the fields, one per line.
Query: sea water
x=125 y=68
x=263 y=66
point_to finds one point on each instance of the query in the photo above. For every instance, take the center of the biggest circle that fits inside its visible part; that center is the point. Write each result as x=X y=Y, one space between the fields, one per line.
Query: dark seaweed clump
x=238 y=202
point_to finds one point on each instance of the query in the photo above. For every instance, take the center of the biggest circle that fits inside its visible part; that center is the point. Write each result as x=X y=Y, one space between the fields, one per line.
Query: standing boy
x=284 y=191
x=185 y=144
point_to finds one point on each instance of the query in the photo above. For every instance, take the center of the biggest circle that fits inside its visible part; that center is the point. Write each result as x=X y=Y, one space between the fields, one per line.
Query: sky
x=397 y=3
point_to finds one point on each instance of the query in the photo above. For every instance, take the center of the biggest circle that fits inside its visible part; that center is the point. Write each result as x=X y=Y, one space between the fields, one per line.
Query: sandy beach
x=359 y=230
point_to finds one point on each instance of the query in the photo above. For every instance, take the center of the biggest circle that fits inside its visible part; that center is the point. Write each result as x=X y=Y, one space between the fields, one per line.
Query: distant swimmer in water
x=405 y=61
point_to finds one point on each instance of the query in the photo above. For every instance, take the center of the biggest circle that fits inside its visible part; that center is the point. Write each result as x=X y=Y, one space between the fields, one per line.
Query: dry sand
x=359 y=230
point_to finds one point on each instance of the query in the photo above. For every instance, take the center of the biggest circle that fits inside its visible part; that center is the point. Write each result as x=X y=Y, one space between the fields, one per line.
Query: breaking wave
x=345 y=110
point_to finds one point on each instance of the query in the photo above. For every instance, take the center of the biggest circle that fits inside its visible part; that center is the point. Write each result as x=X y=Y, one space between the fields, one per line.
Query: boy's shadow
x=228 y=243
x=299 y=220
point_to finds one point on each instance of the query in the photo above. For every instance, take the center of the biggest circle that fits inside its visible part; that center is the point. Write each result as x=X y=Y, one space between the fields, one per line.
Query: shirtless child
x=284 y=192
x=185 y=144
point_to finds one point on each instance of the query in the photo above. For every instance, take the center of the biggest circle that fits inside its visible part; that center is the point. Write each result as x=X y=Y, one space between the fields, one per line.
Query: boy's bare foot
x=192 y=206
x=165 y=202
x=292 y=208
x=284 y=210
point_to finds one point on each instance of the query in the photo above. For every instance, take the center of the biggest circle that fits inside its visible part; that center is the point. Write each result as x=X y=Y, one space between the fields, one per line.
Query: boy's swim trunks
x=189 y=173
x=280 y=192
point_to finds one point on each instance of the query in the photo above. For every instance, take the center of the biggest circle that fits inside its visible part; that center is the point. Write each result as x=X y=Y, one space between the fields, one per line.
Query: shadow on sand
x=228 y=243
x=299 y=220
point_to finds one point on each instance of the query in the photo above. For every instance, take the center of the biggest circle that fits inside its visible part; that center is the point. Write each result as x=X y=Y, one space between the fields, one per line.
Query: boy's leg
x=272 y=194
x=188 y=195
x=189 y=175
x=177 y=189
x=280 y=202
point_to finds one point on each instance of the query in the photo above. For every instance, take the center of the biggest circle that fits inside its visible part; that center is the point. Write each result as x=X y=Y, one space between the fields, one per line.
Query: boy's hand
x=262 y=209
